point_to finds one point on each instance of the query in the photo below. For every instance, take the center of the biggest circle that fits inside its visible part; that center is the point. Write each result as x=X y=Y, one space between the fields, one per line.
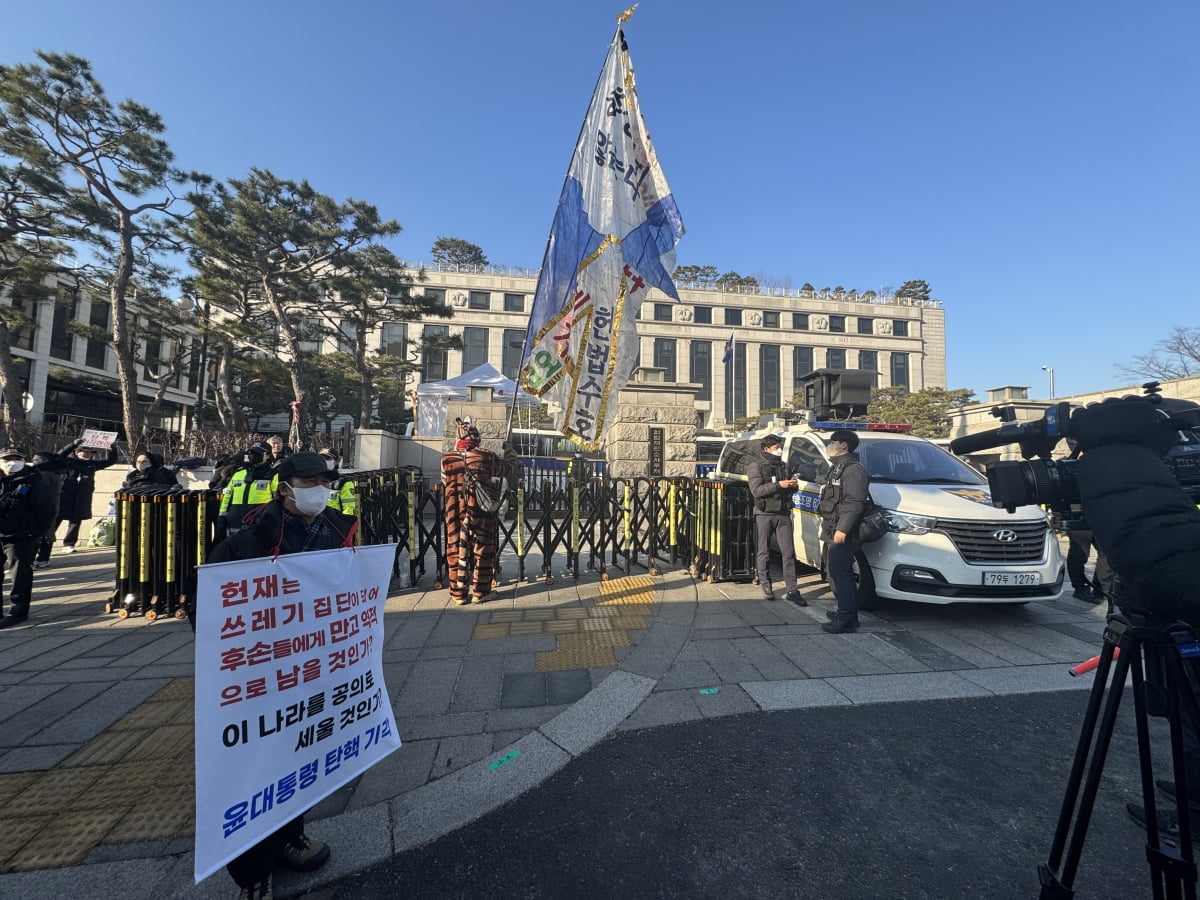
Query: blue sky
x=1035 y=162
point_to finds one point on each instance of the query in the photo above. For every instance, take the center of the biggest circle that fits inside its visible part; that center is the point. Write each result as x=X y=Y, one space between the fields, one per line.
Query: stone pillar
x=647 y=404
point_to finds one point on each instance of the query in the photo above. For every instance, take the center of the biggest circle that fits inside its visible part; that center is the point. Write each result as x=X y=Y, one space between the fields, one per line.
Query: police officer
x=28 y=507
x=772 y=489
x=249 y=487
x=843 y=502
x=344 y=497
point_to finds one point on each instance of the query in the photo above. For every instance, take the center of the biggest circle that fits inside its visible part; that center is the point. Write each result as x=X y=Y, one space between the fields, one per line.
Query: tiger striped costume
x=471 y=536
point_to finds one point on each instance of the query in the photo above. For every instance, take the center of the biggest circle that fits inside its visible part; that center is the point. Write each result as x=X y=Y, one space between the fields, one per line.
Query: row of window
x=703 y=315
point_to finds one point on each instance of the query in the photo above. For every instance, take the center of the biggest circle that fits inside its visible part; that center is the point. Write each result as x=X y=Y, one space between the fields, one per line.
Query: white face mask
x=330 y=463
x=12 y=466
x=311 y=500
x=776 y=451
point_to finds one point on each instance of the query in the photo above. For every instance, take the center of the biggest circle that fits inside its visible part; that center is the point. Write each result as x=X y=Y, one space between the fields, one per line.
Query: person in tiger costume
x=472 y=536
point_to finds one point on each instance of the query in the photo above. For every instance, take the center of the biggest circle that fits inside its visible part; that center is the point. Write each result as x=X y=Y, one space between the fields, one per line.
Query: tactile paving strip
x=557 y=660
x=96 y=795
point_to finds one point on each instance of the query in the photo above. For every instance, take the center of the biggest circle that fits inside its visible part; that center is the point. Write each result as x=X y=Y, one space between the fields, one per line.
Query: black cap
x=304 y=464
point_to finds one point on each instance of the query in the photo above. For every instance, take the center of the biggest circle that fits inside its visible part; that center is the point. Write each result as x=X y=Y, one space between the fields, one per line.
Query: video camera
x=1053 y=483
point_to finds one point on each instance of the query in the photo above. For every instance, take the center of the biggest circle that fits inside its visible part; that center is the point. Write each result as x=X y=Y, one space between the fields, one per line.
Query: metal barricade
x=162 y=534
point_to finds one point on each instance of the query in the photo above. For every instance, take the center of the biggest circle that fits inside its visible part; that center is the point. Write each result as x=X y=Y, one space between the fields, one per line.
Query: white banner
x=290 y=698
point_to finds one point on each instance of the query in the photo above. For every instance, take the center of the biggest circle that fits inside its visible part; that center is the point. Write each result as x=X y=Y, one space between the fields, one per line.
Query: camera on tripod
x=1053 y=483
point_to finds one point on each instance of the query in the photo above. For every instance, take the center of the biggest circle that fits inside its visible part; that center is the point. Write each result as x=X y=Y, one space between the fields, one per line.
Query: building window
x=800 y=321
x=479 y=300
x=802 y=364
x=347 y=338
x=433 y=357
x=393 y=339
x=770 y=319
x=900 y=370
x=98 y=318
x=664 y=356
x=475 y=348
x=399 y=297
x=735 y=383
x=662 y=312
x=514 y=303
x=700 y=367
x=437 y=294
x=510 y=356
x=152 y=344
x=835 y=359
x=310 y=333
x=23 y=339
x=61 y=341
x=768 y=379
x=868 y=361
x=900 y=327
x=733 y=317
x=866 y=325
x=702 y=315
x=837 y=323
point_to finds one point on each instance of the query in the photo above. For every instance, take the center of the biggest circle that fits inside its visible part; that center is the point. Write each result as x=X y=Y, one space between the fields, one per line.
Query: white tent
x=433 y=397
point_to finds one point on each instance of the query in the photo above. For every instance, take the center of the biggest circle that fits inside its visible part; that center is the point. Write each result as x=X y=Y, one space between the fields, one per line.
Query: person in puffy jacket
x=28 y=506
x=843 y=502
x=148 y=469
x=79 y=483
x=772 y=491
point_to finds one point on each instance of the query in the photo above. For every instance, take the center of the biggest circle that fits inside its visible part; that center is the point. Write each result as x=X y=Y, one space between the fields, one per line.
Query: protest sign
x=98 y=440
x=290 y=697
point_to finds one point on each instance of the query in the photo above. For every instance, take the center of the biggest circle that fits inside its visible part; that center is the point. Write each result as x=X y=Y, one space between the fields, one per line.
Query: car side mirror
x=806 y=472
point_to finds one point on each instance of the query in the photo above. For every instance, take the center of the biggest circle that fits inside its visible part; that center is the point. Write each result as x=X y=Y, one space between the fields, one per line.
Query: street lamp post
x=1050 y=371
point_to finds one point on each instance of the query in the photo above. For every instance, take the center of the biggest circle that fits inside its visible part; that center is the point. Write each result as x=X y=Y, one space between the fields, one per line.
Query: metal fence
x=609 y=526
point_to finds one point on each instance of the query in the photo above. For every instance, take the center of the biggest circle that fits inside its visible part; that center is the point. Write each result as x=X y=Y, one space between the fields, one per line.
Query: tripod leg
x=1056 y=883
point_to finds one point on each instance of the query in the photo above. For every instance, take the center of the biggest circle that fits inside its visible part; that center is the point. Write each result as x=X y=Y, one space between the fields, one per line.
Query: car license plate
x=1011 y=579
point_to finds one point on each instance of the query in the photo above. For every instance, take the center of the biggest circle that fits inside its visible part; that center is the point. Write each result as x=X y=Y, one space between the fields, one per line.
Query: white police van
x=946 y=542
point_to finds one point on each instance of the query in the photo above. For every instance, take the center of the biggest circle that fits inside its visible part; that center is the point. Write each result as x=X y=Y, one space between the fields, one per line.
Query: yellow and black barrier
x=724 y=530
x=162 y=533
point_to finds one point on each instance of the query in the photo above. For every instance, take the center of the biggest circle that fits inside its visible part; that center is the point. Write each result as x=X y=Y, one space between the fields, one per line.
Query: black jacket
x=764 y=475
x=28 y=504
x=79 y=483
x=1146 y=525
x=273 y=533
x=844 y=497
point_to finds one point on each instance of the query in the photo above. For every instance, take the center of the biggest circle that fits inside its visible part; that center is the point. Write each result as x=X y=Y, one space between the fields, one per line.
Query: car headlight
x=907 y=523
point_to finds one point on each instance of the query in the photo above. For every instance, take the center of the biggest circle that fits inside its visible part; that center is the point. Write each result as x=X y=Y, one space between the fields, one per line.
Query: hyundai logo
x=1005 y=535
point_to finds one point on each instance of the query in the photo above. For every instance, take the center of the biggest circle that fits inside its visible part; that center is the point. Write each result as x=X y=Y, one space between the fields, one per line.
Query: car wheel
x=867 y=598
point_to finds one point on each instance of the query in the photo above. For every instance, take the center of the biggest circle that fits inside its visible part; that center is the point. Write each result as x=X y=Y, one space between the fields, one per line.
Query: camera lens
x=1050 y=482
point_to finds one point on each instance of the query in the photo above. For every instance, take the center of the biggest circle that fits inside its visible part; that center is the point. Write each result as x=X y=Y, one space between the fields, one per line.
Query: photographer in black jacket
x=1150 y=530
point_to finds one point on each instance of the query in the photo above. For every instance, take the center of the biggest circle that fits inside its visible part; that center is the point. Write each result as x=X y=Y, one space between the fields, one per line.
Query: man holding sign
x=84 y=456
x=290 y=702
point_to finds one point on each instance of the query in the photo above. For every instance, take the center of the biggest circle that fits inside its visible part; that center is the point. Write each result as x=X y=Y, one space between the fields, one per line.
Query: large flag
x=728 y=357
x=613 y=237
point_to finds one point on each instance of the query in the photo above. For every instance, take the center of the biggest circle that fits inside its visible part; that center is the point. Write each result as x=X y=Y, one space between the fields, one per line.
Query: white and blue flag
x=613 y=238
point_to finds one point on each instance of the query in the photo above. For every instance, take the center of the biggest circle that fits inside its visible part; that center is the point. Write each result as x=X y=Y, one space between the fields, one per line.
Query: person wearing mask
x=249 y=487
x=41 y=557
x=345 y=491
x=298 y=519
x=148 y=469
x=472 y=534
x=79 y=483
x=843 y=502
x=28 y=507
x=772 y=491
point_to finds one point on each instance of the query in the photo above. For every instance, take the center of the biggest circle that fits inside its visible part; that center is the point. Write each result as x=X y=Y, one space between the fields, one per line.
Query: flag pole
x=622 y=18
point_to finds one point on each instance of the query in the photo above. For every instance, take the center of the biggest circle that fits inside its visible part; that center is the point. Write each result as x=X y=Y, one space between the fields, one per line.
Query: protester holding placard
x=79 y=483
x=299 y=519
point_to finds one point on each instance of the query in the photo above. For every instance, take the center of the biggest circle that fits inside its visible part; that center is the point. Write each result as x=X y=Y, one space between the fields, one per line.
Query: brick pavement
x=96 y=786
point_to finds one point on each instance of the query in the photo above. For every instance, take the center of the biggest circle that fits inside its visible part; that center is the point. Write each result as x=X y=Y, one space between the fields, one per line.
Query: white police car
x=946 y=542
